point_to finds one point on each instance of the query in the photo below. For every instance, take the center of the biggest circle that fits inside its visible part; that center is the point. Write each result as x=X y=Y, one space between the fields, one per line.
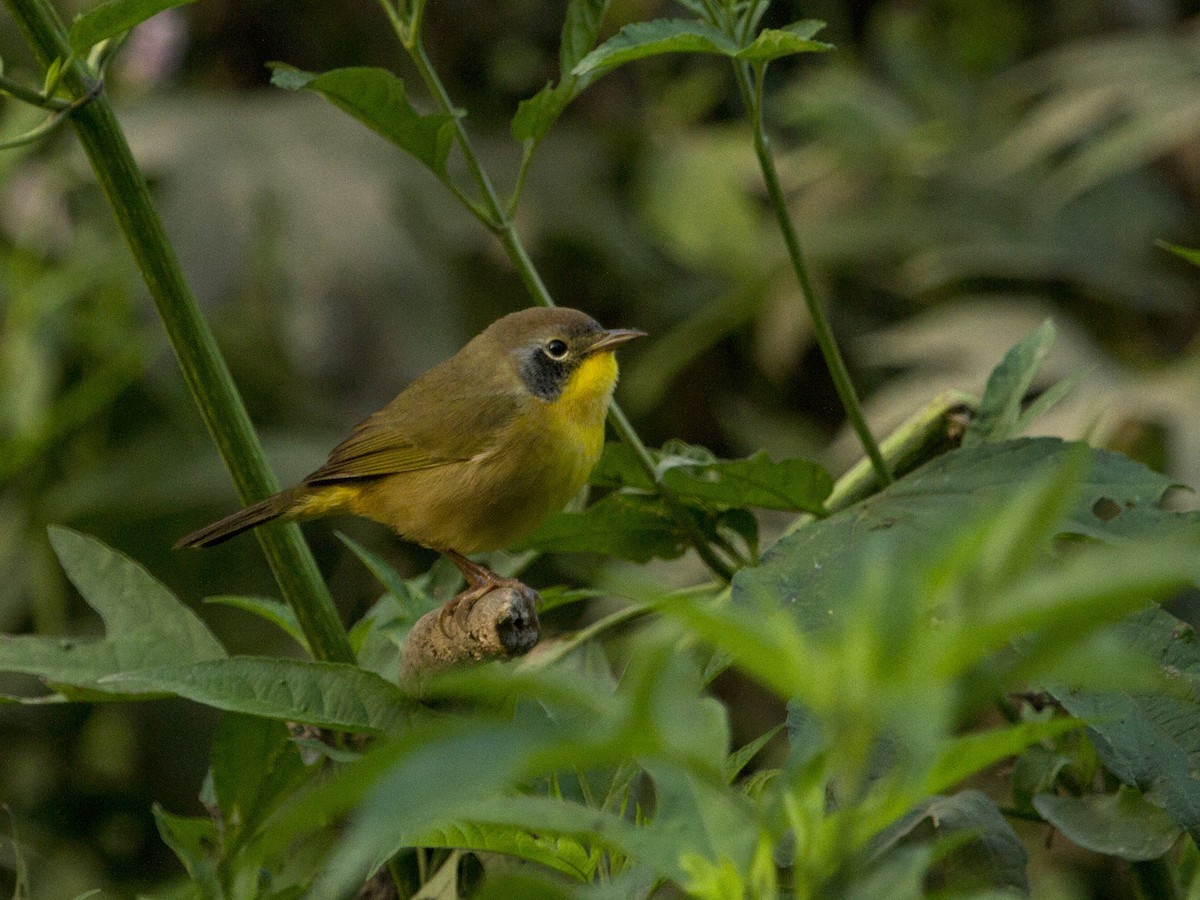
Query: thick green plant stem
x=821 y=328
x=495 y=216
x=203 y=367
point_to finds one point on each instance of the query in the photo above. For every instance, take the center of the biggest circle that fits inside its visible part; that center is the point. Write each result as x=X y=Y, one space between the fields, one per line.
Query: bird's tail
x=243 y=520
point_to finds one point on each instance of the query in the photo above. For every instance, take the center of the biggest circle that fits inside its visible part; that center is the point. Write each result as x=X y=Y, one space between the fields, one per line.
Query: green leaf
x=642 y=39
x=629 y=526
x=1000 y=407
x=968 y=754
x=619 y=467
x=112 y=18
x=1150 y=741
x=274 y=611
x=145 y=625
x=579 y=33
x=741 y=757
x=193 y=840
x=440 y=773
x=988 y=851
x=820 y=565
x=1124 y=824
x=537 y=843
x=582 y=26
x=793 y=484
x=413 y=602
x=773 y=43
x=329 y=695
x=535 y=115
x=1192 y=256
x=254 y=764
x=377 y=98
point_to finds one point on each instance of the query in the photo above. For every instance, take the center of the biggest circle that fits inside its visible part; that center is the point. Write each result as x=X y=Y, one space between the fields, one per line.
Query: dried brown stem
x=500 y=625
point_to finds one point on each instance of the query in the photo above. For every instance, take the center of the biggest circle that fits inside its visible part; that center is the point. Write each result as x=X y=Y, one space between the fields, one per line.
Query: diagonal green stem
x=203 y=367
x=752 y=96
x=496 y=218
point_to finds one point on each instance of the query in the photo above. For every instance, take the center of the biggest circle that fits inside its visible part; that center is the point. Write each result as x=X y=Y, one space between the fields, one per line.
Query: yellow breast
x=578 y=412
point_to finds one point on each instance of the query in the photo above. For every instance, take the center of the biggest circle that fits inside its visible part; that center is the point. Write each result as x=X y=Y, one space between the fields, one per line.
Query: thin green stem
x=753 y=97
x=18 y=91
x=442 y=98
x=203 y=367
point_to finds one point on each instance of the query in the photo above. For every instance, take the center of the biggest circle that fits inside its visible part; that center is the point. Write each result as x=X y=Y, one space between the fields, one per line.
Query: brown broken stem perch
x=500 y=625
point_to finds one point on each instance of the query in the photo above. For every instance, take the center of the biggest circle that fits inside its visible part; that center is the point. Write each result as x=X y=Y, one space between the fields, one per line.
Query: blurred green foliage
x=958 y=170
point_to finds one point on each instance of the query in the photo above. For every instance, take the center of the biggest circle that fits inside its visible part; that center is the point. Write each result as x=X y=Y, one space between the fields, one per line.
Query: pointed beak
x=613 y=338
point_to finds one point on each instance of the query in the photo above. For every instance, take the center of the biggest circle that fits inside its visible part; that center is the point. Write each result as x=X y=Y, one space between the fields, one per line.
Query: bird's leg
x=480 y=580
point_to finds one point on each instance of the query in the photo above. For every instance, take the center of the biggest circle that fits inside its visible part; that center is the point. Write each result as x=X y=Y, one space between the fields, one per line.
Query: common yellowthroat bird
x=475 y=453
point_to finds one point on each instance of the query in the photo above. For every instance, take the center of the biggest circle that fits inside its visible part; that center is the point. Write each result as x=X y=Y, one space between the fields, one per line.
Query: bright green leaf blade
x=538 y=842
x=1000 y=407
x=642 y=39
x=1191 y=255
x=1092 y=588
x=1124 y=824
x=795 y=485
x=377 y=98
x=741 y=757
x=1049 y=398
x=274 y=611
x=145 y=625
x=1151 y=741
x=413 y=602
x=774 y=43
x=112 y=18
x=548 y=819
x=329 y=695
x=968 y=754
x=439 y=773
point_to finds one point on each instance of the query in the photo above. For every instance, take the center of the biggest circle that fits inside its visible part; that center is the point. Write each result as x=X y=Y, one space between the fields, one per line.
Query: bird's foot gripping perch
x=494 y=618
x=480 y=581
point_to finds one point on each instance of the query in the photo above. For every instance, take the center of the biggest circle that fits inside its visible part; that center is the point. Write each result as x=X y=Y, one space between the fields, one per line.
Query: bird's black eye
x=556 y=349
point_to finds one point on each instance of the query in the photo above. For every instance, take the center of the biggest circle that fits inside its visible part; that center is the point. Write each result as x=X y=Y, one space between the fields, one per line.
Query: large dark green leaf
x=328 y=695
x=817 y=567
x=1124 y=824
x=1152 y=741
x=145 y=625
x=111 y=18
x=377 y=98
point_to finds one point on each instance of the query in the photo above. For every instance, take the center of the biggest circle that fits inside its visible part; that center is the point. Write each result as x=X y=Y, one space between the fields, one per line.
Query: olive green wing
x=409 y=435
